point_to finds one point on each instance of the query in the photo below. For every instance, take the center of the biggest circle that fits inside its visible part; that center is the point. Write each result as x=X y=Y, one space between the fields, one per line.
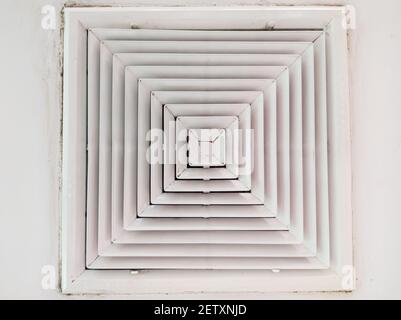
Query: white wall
x=30 y=147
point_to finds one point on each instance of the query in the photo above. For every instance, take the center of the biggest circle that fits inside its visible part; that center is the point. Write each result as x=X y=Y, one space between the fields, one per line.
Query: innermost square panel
x=206 y=148
x=204 y=145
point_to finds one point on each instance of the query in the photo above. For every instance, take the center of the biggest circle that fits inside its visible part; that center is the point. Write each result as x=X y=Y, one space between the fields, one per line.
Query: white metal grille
x=263 y=191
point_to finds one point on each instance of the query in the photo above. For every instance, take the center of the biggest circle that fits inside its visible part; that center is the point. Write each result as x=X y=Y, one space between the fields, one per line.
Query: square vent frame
x=77 y=279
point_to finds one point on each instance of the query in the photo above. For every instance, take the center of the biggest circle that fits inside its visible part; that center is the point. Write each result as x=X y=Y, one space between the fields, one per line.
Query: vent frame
x=76 y=279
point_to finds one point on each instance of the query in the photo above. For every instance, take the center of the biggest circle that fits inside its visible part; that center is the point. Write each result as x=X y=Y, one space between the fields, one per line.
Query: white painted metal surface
x=320 y=166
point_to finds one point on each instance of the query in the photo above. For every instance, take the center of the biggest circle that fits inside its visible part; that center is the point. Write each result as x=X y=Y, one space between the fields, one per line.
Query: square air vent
x=202 y=142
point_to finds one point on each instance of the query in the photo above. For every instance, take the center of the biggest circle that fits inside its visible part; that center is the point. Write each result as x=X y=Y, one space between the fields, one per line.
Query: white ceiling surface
x=30 y=148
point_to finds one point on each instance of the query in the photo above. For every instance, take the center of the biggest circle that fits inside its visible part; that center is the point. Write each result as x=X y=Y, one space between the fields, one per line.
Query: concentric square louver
x=209 y=147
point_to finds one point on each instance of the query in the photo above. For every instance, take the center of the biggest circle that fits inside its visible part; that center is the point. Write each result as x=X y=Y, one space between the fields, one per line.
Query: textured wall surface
x=30 y=147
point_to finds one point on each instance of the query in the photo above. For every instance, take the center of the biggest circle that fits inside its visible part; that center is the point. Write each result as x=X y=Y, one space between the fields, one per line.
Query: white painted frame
x=75 y=279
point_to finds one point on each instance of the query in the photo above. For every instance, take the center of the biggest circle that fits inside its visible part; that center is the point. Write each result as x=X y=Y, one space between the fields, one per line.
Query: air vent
x=201 y=144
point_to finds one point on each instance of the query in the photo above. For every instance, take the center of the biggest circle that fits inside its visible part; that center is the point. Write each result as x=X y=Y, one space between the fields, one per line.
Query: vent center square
x=206 y=147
